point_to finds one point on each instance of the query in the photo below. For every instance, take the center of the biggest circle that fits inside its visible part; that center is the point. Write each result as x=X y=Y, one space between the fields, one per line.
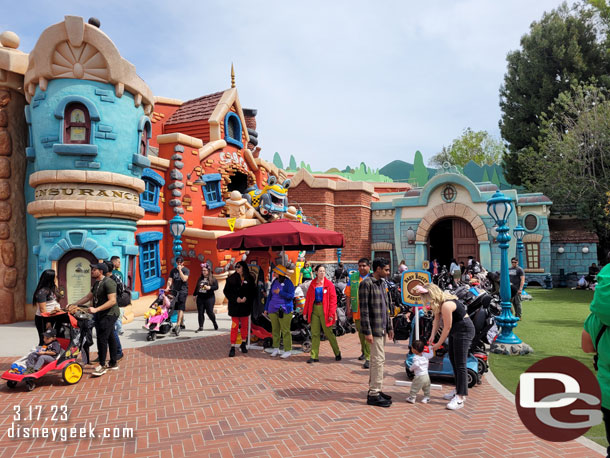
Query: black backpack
x=123 y=295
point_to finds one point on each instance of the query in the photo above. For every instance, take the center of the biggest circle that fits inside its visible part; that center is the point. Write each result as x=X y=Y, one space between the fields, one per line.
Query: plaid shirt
x=372 y=304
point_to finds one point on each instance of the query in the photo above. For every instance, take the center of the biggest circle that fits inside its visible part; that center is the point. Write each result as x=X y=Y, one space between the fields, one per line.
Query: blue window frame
x=211 y=190
x=233 y=130
x=149 y=199
x=150 y=260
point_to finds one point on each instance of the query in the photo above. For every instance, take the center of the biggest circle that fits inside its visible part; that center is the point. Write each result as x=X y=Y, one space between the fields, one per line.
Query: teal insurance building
x=88 y=131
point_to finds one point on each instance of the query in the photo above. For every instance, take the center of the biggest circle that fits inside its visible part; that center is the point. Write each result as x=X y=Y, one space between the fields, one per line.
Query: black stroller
x=344 y=325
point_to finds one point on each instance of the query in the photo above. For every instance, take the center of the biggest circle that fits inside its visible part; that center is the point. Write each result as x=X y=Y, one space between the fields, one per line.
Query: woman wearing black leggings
x=458 y=326
x=204 y=293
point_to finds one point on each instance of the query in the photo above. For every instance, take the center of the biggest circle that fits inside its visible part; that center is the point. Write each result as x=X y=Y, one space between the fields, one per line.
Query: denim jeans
x=460 y=339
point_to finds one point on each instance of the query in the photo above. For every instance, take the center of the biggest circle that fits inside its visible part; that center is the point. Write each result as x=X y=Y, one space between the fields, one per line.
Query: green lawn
x=552 y=324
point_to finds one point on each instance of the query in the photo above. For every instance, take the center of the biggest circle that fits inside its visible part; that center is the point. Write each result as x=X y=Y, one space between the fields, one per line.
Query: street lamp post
x=176 y=226
x=519 y=232
x=499 y=208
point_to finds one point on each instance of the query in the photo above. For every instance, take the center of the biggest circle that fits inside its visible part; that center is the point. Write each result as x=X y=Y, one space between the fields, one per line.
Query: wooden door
x=465 y=242
x=74 y=275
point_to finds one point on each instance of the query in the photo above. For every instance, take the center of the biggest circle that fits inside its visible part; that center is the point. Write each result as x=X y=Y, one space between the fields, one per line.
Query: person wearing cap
x=45 y=353
x=279 y=307
x=178 y=281
x=104 y=305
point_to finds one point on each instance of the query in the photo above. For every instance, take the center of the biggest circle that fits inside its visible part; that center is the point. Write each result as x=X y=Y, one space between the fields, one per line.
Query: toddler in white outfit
x=419 y=366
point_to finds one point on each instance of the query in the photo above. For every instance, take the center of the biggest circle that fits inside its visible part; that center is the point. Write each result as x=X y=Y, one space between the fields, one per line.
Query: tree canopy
x=560 y=50
x=478 y=146
x=571 y=163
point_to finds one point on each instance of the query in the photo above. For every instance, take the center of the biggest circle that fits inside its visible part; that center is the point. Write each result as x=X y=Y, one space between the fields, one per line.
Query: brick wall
x=347 y=212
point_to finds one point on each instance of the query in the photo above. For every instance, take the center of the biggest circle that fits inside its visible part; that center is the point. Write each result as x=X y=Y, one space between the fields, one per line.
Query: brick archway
x=456 y=210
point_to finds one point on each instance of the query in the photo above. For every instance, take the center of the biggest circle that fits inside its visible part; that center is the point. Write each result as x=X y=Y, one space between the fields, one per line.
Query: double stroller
x=260 y=330
x=158 y=316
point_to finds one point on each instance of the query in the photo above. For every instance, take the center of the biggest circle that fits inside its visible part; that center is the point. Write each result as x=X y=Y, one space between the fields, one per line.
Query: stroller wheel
x=352 y=330
x=30 y=384
x=267 y=342
x=306 y=345
x=11 y=383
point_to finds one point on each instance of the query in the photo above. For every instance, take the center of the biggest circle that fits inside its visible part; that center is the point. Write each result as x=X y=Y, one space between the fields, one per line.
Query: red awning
x=281 y=234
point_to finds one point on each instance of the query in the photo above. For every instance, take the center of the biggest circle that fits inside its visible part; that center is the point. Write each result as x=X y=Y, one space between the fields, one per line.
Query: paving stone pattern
x=188 y=399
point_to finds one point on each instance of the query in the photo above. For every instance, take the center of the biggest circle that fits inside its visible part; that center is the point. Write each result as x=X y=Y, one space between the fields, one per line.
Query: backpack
x=123 y=294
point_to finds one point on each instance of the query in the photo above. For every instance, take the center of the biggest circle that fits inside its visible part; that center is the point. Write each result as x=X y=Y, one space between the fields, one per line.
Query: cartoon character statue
x=272 y=200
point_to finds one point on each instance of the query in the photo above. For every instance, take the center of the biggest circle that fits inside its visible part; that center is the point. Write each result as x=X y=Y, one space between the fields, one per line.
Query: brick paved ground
x=189 y=399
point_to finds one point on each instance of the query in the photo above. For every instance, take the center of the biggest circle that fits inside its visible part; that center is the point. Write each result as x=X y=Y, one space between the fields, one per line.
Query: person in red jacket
x=321 y=311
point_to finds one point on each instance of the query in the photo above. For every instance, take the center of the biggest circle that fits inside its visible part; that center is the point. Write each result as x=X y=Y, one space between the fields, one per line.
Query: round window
x=530 y=222
x=449 y=193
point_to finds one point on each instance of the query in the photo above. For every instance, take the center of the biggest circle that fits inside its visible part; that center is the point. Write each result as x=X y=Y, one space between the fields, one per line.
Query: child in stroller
x=158 y=315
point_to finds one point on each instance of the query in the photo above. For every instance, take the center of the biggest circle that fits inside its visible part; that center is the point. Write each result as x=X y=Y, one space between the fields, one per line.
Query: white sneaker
x=276 y=352
x=449 y=396
x=455 y=404
x=99 y=371
x=286 y=354
x=426 y=400
x=411 y=399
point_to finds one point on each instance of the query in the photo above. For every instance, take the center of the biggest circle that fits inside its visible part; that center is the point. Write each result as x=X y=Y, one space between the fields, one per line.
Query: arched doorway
x=74 y=275
x=452 y=238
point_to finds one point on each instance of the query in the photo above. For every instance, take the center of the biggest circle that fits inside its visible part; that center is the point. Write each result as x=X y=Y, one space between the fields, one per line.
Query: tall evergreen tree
x=293 y=163
x=561 y=49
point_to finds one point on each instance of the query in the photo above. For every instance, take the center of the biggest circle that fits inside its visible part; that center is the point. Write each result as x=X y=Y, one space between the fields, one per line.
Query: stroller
x=343 y=325
x=66 y=362
x=158 y=316
x=300 y=330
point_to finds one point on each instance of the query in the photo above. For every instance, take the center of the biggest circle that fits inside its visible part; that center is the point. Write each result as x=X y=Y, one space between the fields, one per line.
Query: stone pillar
x=13 y=132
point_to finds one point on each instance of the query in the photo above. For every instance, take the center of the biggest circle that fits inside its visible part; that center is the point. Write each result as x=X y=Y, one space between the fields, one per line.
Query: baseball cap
x=50 y=333
x=100 y=266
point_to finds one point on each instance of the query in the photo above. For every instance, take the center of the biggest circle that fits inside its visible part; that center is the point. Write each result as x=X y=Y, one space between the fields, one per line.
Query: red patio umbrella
x=283 y=234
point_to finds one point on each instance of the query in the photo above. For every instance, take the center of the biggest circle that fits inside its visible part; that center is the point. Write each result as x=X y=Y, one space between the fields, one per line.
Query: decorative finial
x=232 y=76
x=9 y=39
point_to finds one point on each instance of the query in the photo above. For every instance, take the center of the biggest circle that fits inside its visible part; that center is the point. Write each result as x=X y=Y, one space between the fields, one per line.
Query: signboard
x=78 y=279
x=410 y=279
x=425 y=265
x=86 y=191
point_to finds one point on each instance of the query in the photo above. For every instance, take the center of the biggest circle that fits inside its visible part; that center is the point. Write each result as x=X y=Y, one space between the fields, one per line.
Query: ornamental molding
x=74 y=49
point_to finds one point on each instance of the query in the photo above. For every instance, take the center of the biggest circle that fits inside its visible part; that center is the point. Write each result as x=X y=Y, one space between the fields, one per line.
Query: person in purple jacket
x=279 y=308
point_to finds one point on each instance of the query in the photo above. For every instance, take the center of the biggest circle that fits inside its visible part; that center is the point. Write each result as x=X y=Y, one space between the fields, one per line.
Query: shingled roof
x=570 y=231
x=195 y=110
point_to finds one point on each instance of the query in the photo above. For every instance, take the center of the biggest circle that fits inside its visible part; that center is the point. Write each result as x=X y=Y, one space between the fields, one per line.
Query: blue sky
x=334 y=82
